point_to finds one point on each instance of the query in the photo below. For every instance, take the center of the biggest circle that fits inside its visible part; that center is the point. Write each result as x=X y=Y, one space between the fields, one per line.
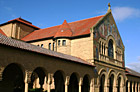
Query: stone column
x=114 y=88
x=27 y=79
x=80 y=83
x=67 y=83
x=45 y=84
x=1 y=72
x=128 y=86
x=50 y=76
x=92 y=85
x=132 y=86
x=135 y=87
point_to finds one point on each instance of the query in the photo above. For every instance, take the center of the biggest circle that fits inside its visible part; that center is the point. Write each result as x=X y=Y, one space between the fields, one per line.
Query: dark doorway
x=59 y=82
x=73 y=84
x=119 y=84
x=12 y=79
x=86 y=85
x=102 y=83
x=111 y=83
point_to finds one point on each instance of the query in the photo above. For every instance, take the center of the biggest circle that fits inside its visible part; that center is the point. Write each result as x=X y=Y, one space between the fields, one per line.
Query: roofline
x=73 y=37
x=31 y=50
x=20 y=22
x=132 y=75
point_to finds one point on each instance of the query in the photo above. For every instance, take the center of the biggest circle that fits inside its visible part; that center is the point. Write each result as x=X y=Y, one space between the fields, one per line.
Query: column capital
x=50 y=77
x=28 y=75
x=92 y=82
x=67 y=80
x=1 y=72
x=80 y=81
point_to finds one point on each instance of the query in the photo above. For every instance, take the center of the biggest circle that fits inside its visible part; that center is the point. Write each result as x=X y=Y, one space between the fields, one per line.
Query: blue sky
x=46 y=13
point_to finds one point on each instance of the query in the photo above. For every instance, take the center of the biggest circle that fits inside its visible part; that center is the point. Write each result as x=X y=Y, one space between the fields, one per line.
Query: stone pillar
x=128 y=86
x=50 y=76
x=114 y=88
x=92 y=85
x=27 y=79
x=132 y=86
x=138 y=87
x=135 y=87
x=1 y=72
x=67 y=83
x=80 y=83
x=45 y=84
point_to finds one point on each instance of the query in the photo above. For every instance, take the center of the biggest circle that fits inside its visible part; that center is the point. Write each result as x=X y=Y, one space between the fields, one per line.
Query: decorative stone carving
x=50 y=77
x=67 y=80
x=81 y=81
x=28 y=76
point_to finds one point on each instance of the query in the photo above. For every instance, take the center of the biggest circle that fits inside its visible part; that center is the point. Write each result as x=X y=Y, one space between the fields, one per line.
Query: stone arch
x=111 y=80
x=120 y=82
x=59 y=81
x=13 y=75
x=37 y=78
x=86 y=83
x=102 y=79
x=74 y=83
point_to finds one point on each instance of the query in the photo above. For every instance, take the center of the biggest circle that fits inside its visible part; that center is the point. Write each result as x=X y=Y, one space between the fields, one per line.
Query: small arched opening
x=110 y=49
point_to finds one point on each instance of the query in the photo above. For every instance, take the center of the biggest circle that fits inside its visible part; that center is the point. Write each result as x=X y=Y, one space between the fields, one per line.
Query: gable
x=107 y=27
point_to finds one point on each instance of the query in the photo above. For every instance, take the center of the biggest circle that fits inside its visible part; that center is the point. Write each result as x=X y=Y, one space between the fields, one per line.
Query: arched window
x=110 y=49
x=49 y=46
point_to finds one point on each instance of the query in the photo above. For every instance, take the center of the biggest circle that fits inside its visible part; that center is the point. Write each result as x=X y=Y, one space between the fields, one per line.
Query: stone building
x=81 y=56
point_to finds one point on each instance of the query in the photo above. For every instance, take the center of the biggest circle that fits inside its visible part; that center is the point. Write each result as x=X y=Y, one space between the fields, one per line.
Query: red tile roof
x=2 y=32
x=72 y=29
x=33 y=48
x=22 y=21
x=64 y=30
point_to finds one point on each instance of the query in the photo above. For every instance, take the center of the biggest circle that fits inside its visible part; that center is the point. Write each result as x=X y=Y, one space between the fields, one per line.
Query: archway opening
x=59 y=82
x=13 y=80
x=130 y=86
x=73 y=84
x=86 y=84
x=102 y=83
x=111 y=83
x=127 y=86
x=37 y=79
x=119 y=84
x=134 y=87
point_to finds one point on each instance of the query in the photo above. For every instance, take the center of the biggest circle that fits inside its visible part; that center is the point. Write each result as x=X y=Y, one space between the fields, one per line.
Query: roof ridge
x=85 y=19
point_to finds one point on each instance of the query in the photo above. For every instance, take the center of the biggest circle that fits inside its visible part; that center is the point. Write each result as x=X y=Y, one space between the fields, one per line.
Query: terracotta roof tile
x=2 y=32
x=22 y=21
x=64 y=30
x=76 y=28
x=29 y=47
